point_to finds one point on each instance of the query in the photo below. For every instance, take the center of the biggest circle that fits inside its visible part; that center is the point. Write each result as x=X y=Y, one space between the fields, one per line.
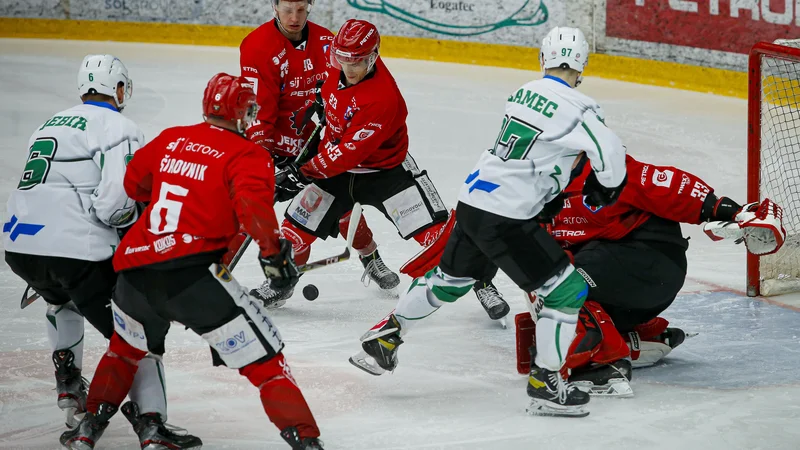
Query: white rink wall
x=712 y=34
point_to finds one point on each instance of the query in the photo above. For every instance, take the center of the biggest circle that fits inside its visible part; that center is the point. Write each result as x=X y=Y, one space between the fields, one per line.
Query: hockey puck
x=310 y=292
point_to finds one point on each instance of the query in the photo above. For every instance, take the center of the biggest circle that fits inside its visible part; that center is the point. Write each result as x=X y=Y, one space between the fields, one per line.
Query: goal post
x=773 y=158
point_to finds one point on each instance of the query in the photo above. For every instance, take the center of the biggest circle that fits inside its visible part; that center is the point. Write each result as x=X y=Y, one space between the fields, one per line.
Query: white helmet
x=564 y=47
x=101 y=74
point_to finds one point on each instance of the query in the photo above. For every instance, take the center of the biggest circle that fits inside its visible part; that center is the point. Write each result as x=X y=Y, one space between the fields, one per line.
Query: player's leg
x=535 y=262
x=374 y=268
x=138 y=329
x=313 y=213
x=461 y=263
x=490 y=298
x=634 y=282
x=242 y=336
x=64 y=330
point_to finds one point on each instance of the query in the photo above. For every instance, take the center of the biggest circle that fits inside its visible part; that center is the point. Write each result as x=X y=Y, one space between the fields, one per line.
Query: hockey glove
x=280 y=267
x=596 y=195
x=289 y=182
x=759 y=226
x=302 y=117
x=723 y=209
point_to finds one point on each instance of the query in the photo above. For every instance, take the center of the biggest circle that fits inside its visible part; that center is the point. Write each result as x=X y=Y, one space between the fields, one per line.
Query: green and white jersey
x=546 y=126
x=71 y=193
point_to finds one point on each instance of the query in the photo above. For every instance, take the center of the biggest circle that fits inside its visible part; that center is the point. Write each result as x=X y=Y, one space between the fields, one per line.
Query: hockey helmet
x=230 y=98
x=101 y=74
x=357 y=41
x=565 y=48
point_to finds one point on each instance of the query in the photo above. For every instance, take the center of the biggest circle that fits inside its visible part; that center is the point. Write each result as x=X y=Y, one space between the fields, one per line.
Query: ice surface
x=735 y=386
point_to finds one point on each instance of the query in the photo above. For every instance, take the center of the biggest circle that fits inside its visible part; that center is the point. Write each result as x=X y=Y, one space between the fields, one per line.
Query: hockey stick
x=27 y=299
x=239 y=253
x=355 y=217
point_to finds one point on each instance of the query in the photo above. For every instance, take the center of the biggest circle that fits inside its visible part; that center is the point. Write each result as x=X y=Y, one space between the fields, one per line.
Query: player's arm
x=675 y=194
x=138 y=181
x=110 y=202
x=606 y=154
x=258 y=68
x=368 y=129
x=251 y=183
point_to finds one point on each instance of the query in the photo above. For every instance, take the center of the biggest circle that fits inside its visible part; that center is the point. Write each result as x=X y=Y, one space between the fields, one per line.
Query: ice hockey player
x=64 y=220
x=633 y=257
x=202 y=182
x=363 y=156
x=286 y=59
x=547 y=124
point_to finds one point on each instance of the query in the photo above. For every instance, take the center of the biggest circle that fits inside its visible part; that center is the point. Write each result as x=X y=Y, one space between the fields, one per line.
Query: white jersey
x=71 y=192
x=547 y=125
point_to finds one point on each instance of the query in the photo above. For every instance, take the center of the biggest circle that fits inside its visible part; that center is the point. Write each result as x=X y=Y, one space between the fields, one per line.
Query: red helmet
x=357 y=41
x=230 y=98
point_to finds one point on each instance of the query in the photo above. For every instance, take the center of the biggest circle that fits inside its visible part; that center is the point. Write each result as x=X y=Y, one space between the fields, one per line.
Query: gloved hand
x=597 y=195
x=302 y=117
x=280 y=267
x=289 y=182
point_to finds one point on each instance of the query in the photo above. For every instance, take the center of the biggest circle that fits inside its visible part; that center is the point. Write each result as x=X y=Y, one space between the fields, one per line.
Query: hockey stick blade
x=355 y=217
x=344 y=256
x=27 y=299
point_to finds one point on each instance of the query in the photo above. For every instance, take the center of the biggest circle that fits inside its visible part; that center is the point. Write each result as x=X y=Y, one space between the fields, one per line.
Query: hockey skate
x=85 y=435
x=607 y=380
x=492 y=301
x=552 y=396
x=376 y=270
x=291 y=436
x=71 y=387
x=380 y=344
x=273 y=296
x=154 y=434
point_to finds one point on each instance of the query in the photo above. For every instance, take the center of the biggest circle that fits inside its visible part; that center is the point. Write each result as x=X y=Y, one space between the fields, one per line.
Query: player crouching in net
x=169 y=264
x=363 y=158
x=547 y=125
x=633 y=257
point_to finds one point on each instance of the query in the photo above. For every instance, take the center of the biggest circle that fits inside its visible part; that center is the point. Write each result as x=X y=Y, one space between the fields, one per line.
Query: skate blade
x=160 y=446
x=360 y=360
x=616 y=387
x=503 y=323
x=390 y=293
x=544 y=408
x=276 y=304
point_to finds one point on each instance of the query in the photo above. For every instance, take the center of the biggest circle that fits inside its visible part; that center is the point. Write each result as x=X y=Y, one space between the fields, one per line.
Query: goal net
x=774 y=158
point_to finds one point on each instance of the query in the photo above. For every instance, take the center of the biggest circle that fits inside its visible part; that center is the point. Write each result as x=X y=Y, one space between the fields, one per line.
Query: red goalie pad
x=429 y=257
x=596 y=341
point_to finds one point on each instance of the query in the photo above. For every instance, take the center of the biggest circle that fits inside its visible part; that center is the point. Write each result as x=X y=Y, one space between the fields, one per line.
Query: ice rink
x=735 y=386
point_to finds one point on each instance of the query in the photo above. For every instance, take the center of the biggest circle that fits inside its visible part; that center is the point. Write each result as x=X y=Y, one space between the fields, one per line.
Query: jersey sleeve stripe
x=597 y=144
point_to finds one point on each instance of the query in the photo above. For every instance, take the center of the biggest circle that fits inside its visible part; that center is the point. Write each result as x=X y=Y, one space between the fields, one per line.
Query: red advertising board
x=727 y=25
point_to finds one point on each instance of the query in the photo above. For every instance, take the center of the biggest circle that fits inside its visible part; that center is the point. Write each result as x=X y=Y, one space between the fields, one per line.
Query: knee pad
x=65 y=330
x=565 y=292
x=301 y=241
x=446 y=288
x=251 y=336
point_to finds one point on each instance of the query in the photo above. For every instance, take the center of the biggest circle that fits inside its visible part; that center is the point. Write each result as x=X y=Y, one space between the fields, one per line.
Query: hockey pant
x=208 y=300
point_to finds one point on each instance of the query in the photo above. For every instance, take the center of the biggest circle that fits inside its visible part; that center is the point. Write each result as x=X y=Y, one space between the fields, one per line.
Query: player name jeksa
x=178 y=166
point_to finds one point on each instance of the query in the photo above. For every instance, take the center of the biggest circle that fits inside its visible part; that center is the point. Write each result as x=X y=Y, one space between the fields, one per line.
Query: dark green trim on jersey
x=597 y=144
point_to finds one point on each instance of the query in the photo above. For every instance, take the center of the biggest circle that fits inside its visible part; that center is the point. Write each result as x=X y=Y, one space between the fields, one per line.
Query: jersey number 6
x=166 y=213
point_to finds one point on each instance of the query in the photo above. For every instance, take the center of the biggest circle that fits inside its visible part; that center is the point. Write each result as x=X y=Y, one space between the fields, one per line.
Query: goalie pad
x=597 y=340
x=429 y=257
x=759 y=226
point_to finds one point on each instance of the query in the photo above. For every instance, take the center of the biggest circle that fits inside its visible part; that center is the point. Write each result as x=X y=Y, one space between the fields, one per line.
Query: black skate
x=552 y=396
x=154 y=434
x=291 y=436
x=89 y=430
x=381 y=344
x=491 y=300
x=273 y=296
x=376 y=270
x=607 y=380
x=71 y=387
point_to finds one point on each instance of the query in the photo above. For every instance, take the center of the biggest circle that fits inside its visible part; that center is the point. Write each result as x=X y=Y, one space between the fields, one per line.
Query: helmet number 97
x=566 y=52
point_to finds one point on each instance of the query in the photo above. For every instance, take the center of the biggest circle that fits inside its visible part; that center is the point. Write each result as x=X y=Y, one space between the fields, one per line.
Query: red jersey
x=283 y=77
x=202 y=182
x=651 y=190
x=366 y=127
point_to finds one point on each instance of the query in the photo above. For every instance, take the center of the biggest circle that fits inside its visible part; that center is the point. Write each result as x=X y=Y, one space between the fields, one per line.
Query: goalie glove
x=759 y=226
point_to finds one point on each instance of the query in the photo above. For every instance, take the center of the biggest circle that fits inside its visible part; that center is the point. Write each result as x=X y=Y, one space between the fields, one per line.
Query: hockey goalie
x=633 y=257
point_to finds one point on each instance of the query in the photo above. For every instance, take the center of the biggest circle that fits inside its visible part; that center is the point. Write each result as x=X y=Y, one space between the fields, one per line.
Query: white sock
x=554 y=334
x=65 y=330
x=149 y=387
